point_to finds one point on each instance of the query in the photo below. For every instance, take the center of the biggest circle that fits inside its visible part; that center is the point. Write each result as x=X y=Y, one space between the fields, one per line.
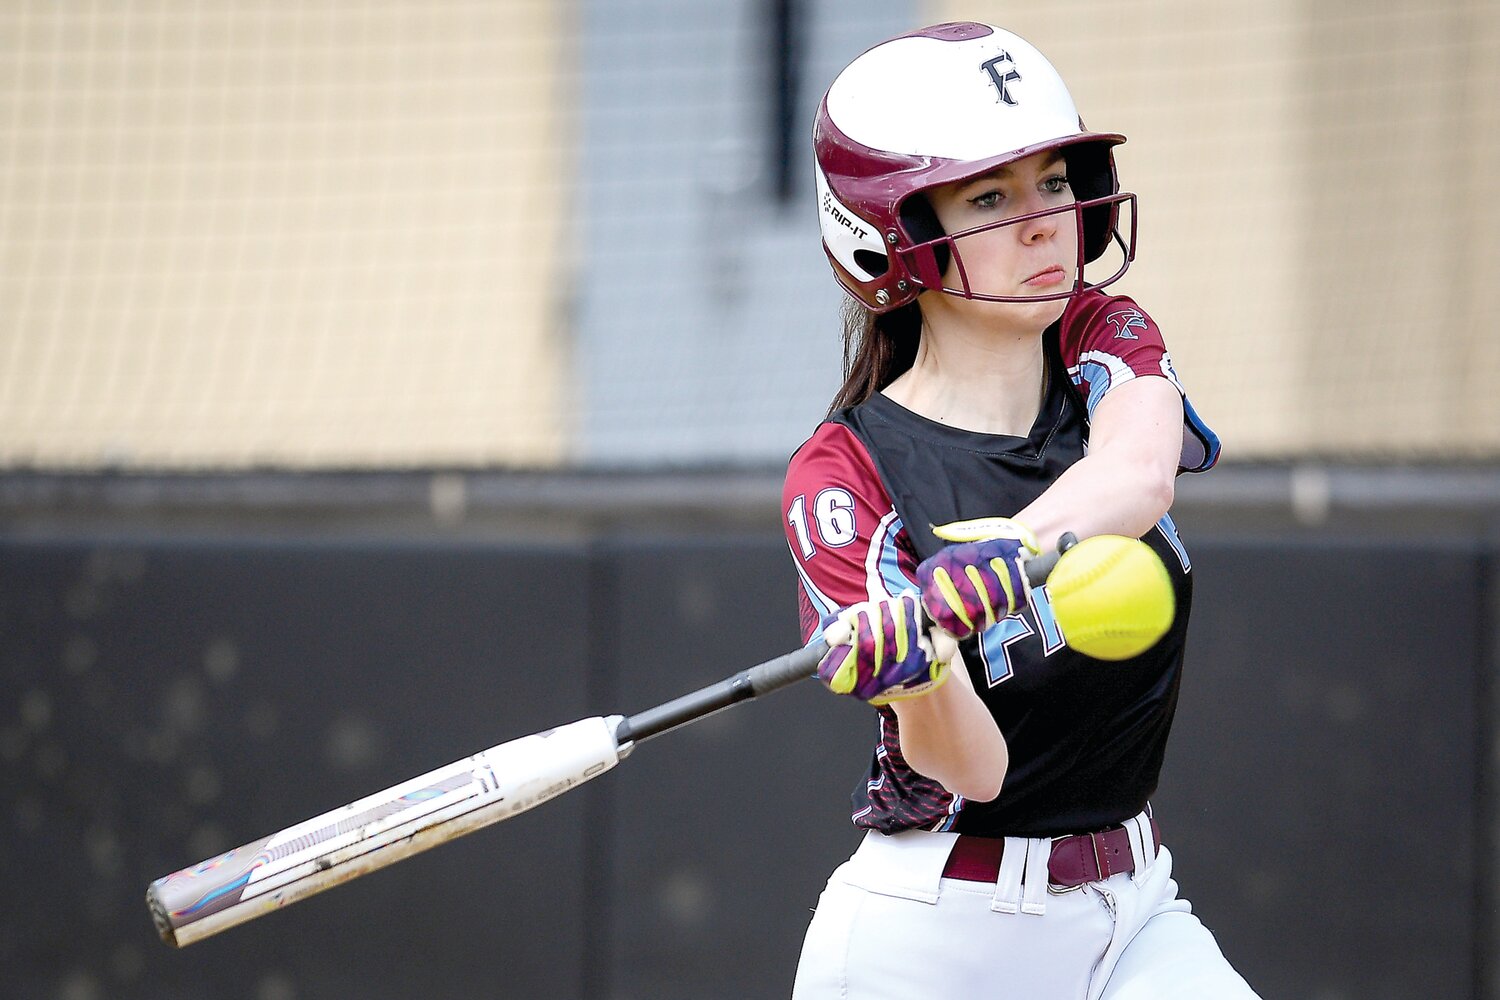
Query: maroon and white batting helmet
x=937 y=106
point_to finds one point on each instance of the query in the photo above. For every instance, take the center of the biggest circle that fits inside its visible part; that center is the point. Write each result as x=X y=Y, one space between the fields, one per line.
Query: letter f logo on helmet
x=1009 y=75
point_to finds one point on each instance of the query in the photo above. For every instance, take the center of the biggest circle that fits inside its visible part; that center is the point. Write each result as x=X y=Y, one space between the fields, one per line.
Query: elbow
x=976 y=784
x=975 y=775
x=978 y=792
x=1162 y=491
x=1154 y=494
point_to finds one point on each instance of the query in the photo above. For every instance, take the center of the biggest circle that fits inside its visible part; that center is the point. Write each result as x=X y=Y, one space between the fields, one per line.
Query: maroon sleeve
x=1108 y=340
x=846 y=540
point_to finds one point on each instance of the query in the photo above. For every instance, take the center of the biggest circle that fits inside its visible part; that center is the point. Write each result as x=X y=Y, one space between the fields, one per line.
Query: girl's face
x=1031 y=258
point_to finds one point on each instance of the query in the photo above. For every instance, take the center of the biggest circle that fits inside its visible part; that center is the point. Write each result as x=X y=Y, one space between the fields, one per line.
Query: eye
x=1055 y=184
x=987 y=200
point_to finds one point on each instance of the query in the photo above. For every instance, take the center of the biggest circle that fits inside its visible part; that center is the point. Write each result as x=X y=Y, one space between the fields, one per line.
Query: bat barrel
x=379 y=830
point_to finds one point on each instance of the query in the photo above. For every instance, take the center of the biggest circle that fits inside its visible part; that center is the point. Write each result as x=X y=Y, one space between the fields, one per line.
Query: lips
x=1047 y=276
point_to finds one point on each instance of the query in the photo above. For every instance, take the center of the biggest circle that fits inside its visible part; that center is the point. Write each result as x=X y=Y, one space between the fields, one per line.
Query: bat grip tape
x=757 y=680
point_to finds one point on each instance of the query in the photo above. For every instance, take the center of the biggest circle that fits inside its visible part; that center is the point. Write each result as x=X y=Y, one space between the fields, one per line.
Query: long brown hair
x=877 y=348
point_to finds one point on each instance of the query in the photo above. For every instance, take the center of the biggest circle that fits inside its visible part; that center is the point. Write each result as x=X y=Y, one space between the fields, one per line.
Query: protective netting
x=263 y=233
x=528 y=232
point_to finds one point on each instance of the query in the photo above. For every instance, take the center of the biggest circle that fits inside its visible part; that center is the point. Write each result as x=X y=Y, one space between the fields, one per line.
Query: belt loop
x=1034 y=898
x=1101 y=857
x=1012 y=870
x=1142 y=845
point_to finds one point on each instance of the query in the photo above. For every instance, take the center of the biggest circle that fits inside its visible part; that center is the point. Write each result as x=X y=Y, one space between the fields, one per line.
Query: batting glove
x=969 y=586
x=882 y=651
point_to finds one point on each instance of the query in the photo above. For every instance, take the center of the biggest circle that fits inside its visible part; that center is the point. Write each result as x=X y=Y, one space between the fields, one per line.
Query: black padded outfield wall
x=165 y=696
x=167 y=699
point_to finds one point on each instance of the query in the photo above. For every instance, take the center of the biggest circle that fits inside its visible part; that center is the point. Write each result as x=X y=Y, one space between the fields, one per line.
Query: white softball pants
x=890 y=927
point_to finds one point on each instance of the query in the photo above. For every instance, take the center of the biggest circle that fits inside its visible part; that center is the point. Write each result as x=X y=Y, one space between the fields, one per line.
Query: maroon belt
x=1080 y=858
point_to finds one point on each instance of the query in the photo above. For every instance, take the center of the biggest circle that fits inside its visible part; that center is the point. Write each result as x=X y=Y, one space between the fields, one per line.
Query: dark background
x=189 y=663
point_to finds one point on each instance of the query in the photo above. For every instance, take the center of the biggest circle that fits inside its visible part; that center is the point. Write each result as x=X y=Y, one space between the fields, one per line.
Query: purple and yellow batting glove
x=881 y=651
x=969 y=586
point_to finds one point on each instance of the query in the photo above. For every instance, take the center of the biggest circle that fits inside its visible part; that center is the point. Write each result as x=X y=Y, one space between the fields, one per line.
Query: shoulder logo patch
x=1123 y=320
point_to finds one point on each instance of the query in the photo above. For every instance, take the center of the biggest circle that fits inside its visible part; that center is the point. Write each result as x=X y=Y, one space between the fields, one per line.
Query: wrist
x=911 y=692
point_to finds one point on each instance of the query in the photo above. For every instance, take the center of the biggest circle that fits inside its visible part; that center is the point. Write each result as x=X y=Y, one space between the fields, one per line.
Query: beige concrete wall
x=1317 y=224
x=1402 y=228
x=243 y=233
x=1478 y=167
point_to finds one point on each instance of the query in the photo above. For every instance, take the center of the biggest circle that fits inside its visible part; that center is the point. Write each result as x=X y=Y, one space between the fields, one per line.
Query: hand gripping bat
x=443 y=804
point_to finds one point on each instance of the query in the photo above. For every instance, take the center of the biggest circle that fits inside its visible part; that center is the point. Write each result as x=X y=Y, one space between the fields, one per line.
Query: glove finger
x=1009 y=591
x=1014 y=570
x=983 y=529
x=945 y=619
x=989 y=594
x=899 y=619
x=909 y=659
x=870 y=640
x=947 y=599
x=839 y=669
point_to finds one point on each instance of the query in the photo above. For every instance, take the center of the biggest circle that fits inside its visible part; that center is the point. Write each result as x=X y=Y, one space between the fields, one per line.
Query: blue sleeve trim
x=1200 y=445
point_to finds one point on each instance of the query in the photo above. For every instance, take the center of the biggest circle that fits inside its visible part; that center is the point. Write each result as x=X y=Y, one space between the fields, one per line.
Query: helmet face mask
x=932 y=264
x=939 y=106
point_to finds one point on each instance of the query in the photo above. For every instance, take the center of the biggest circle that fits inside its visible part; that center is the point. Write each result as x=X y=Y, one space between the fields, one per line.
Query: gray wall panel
x=706 y=316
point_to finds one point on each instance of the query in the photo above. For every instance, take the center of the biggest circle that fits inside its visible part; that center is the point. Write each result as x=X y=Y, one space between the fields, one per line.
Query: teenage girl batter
x=994 y=399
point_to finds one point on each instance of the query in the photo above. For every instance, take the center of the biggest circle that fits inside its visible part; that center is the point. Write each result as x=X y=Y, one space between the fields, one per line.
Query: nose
x=1041 y=228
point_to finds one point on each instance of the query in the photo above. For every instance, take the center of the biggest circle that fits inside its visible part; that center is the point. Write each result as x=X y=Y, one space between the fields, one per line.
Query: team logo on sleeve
x=1123 y=320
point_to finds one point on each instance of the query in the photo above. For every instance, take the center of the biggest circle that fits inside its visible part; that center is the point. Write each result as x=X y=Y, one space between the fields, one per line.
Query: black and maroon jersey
x=1085 y=737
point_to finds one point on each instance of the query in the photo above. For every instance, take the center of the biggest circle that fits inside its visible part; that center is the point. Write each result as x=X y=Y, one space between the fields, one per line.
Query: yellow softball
x=1112 y=597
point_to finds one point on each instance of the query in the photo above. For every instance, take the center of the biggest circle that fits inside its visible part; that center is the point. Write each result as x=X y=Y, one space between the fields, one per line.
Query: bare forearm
x=950 y=736
x=1099 y=495
x=1125 y=483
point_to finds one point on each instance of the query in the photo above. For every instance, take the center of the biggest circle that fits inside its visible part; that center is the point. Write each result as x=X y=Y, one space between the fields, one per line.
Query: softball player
x=994 y=393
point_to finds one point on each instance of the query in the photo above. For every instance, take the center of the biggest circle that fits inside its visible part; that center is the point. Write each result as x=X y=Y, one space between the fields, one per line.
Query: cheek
x=1067 y=232
x=985 y=250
